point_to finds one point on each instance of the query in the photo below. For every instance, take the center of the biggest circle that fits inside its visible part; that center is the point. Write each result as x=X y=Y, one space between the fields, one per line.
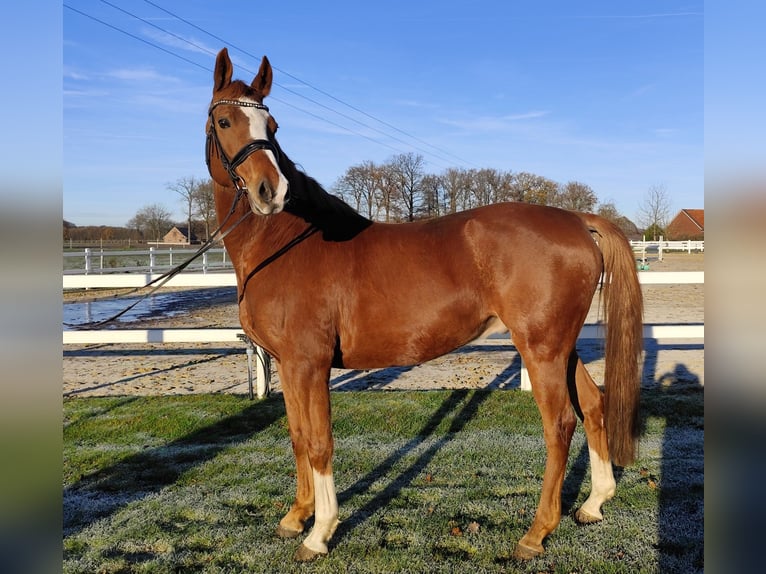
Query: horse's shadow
x=464 y=411
x=102 y=493
x=680 y=506
x=675 y=501
x=170 y=461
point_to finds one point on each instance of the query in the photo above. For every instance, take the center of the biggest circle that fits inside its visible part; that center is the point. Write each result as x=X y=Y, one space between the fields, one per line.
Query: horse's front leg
x=307 y=399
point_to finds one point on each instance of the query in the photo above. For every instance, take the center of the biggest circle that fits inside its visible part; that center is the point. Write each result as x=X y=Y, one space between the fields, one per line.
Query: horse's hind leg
x=588 y=401
x=549 y=388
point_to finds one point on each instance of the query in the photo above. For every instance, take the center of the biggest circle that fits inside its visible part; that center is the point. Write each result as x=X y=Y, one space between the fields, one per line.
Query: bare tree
x=456 y=183
x=609 y=211
x=407 y=173
x=204 y=205
x=654 y=210
x=361 y=186
x=153 y=221
x=531 y=188
x=576 y=196
x=432 y=196
x=491 y=186
x=186 y=188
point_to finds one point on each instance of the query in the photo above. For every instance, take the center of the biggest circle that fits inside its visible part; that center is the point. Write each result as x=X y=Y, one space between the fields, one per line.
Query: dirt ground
x=147 y=369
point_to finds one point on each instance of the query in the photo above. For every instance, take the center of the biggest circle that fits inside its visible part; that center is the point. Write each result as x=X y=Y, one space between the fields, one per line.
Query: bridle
x=231 y=165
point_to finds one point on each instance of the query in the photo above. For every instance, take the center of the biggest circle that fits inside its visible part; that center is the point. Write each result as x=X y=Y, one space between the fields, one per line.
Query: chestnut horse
x=320 y=286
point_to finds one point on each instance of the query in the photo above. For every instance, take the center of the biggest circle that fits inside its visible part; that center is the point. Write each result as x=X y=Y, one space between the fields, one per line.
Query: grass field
x=436 y=481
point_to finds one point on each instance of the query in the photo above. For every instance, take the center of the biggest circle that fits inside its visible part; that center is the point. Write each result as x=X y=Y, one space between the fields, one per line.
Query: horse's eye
x=224 y=123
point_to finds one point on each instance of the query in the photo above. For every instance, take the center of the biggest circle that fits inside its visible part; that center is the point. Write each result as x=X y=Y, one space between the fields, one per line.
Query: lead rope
x=167 y=276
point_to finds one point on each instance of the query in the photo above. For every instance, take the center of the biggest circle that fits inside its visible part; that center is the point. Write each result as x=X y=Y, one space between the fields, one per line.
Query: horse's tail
x=623 y=310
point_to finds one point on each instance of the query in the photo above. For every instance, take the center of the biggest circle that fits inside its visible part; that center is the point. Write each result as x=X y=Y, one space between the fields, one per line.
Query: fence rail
x=100 y=261
x=659 y=247
x=228 y=279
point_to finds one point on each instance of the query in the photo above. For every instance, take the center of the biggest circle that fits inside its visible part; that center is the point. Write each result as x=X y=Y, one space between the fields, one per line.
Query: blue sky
x=606 y=93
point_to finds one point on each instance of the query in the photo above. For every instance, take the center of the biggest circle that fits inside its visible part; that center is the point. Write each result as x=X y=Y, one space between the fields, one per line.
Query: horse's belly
x=412 y=346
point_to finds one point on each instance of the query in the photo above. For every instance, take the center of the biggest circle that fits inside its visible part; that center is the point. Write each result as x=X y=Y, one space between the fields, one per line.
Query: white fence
x=659 y=247
x=100 y=261
x=228 y=279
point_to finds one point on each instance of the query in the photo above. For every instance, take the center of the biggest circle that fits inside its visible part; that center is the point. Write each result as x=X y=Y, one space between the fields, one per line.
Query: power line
x=285 y=88
x=208 y=69
x=135 y=37
x=321 y=91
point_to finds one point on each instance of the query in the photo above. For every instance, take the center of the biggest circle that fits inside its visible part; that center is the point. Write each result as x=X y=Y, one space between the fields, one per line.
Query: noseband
x=249 y=148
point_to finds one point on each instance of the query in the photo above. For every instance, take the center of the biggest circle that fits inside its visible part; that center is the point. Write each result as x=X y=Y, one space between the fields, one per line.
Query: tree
x=654 y=211
x=204 y=205
x=609 y=211
x=456 y=184
x=361 y=186
x=407 y=173
x=186 y=187
x=531 y=188
x=576 y=196
x=491 y=186
x=432 y=196
x=153 y=221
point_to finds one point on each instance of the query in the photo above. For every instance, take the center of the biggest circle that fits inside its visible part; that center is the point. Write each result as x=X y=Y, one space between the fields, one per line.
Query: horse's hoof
x=305 y=554
x=283 y=532
x=583 y=517
x=524 y=552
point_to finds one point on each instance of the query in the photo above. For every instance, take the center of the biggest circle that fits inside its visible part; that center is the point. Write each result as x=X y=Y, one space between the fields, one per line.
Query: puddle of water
x=158 y=306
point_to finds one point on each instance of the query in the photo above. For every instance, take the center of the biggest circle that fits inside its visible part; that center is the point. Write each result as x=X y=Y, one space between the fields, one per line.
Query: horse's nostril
x=265 y=192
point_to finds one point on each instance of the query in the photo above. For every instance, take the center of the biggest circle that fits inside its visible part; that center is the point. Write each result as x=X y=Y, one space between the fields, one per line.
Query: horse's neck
x=255 y=237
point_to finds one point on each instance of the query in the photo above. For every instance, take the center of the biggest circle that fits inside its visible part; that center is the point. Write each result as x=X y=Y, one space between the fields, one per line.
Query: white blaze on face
x=258 y=120
x=325 y=513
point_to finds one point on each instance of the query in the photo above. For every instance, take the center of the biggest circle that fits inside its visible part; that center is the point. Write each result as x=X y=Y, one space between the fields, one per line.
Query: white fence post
x=262 y=373
x=151 y=260
x=87 y=260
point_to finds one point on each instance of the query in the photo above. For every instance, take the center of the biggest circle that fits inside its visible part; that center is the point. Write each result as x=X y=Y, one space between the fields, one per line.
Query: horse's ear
x=262 y=81
x=223 y=71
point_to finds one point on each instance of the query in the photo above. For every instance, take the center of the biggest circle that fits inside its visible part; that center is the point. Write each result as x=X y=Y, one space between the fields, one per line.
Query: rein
x=305 y=234
x=241 y=189
x=167 y=276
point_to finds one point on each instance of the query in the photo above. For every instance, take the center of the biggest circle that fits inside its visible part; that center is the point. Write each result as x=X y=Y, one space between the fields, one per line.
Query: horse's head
x=241 y=149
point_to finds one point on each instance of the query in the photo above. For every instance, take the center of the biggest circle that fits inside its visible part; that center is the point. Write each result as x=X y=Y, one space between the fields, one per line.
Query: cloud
x=526 y=116
x=189 y=44
x=504 y=123
x=73 y=75
x=137 y=75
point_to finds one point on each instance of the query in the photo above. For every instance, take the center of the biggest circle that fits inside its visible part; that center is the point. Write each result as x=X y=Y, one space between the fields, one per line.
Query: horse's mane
x=307 y=199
